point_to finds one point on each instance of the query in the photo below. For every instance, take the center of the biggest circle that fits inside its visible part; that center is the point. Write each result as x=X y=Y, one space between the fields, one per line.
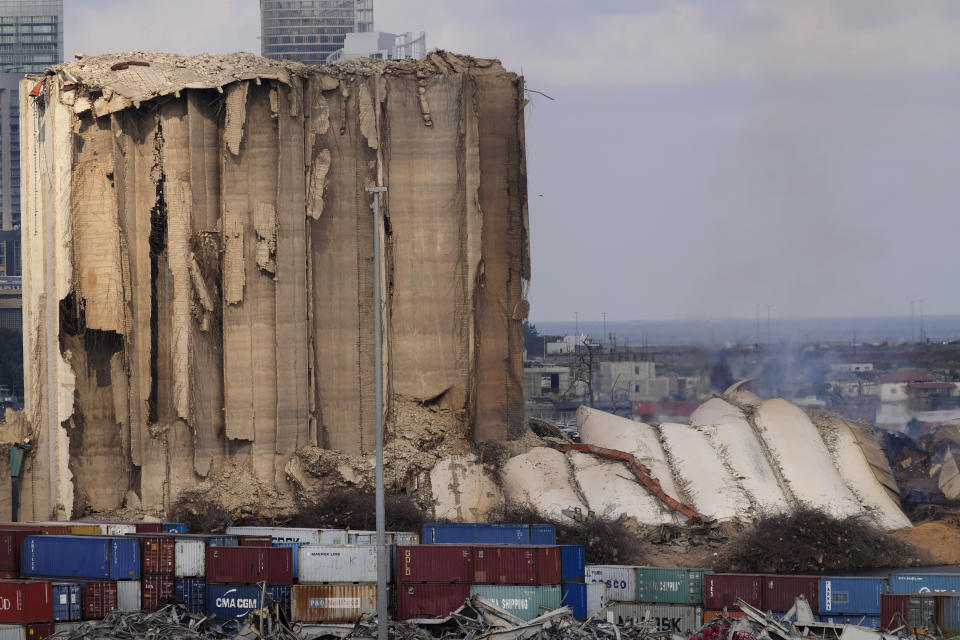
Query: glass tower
x=310 y=30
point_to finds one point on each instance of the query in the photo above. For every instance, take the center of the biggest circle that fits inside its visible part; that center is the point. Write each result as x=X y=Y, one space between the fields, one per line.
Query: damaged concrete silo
x=197 y=249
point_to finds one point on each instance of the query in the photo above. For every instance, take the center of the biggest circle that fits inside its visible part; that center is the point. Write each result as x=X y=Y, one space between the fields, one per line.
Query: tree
x=582 y=370
x=532 y=340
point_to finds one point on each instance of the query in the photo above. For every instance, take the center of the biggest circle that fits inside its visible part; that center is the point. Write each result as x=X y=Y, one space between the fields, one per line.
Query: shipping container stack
x=234 y=573
x=673 y=598
x=337 y=583
x=158 y=583
x=27 y=610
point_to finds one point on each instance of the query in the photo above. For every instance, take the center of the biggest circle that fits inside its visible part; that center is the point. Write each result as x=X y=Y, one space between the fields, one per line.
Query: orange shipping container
x=709 y=615
x=332 y=603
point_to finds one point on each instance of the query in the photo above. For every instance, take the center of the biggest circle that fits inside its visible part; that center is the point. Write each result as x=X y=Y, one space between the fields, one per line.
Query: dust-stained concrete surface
x=200 y=289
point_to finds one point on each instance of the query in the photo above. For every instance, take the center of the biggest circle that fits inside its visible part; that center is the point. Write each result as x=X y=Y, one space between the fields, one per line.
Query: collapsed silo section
x=200 y=282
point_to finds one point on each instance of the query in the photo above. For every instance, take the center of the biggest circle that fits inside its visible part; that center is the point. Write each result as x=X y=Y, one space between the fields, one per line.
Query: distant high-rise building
x=310 y=30
x=31 y=39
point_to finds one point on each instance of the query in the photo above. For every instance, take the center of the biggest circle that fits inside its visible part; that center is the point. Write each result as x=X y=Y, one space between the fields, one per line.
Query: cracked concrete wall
x=203 y=230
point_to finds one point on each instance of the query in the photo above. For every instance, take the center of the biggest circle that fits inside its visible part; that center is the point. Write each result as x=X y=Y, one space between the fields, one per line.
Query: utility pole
x=913 y=330
x=378 y=409
x=758 y=323
x=922 y=337
x=576 y=321
x=604 y=314
x=769 y=341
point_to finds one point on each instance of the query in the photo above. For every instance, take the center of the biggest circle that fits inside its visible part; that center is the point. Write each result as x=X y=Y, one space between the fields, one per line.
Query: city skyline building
x=309 y=31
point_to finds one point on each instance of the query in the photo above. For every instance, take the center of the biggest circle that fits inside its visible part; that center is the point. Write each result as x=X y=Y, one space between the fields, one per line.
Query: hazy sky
x=699 y=156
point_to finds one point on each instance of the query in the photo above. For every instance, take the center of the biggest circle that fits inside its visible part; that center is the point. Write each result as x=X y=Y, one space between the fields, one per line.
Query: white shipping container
x=405 y=538
x=596 y=599
x=117 y=529
x=128 y=595
x=190 y=557
x=280 y=534
x=332 y=536
x=13 y=632
x=337 y=563
x=670 y=618
x=620 y=581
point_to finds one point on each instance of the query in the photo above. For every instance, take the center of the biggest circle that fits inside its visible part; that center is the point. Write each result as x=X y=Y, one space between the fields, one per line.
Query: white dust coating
x=637 y=438
x=734 y=440
x=859 y=477
x=462 y=489
x=744 y=398
x=804 y=460
x=540 y=478
x=712 y=489
x=612 y=490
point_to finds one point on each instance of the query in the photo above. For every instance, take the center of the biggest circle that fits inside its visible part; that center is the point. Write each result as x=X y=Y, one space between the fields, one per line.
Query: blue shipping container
x=174 y=527
x=543 y=534
x=862 y=620
x=572 y=561
x=924 y=582
x=193 y=593
x=67 y=601
x=90 y=557
x=466 y=533
x=851 y=596
x=232 y=601
x=279 y=595
x=575 y=597
x=296 y=546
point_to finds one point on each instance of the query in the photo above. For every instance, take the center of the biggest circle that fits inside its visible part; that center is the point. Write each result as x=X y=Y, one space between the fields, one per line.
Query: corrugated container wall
x=721 y=590
x=669 y=586
x=468 y=533
x=669 y=618
x=332 y=536
x=332 y=603
x=24 y=602
x=150 y=527
x=99 y=599
x=189 y=558
x=193 y=593
x=128 y=595
x=156 y=591
x=922 y=582
x=948 y=612
x=893 y=610
x=851 y=595
x=232 y=601
x=173 y=527
x=780 y=592
x=236 y=565
x=9 y=550
x=294 y=555
x=543 y=534
x=158 y=555
x=67 y=601
x=36 y=631
x=525 y=602
x=430 y=600
x=572 y=562
x=505 y=565
x=343 y=563
x=575 y=596
x=81 y=557
x=434 y=563
x=279 y=565
x=620 y=581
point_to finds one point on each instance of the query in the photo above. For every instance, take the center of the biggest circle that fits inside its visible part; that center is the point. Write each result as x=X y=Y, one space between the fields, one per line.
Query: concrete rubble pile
x=198 y=297
x=740 y=458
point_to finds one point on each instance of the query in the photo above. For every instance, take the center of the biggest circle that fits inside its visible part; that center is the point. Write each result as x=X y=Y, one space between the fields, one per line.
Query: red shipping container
x=779 y=592
x=548 y=565
x=279 y=565
x=38 y=631
x=430 y=600
x=442 y=563
x=19 y=535
x=25 y=601
x=46 y=529
x=504 y=565
x=256 y=541
x=149 y=527
x=722 y=589
x=893 y=610
x=236 y=565
x=9 y=551
x=99 y=599
x=157 y=555
x=156 y=591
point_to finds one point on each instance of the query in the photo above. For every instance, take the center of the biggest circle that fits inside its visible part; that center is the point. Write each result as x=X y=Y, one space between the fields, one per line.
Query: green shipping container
x=670 y=586
x=524 y=602
x=922 y=612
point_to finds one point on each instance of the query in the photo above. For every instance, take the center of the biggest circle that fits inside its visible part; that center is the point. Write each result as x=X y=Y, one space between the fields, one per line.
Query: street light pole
x=382 y=562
